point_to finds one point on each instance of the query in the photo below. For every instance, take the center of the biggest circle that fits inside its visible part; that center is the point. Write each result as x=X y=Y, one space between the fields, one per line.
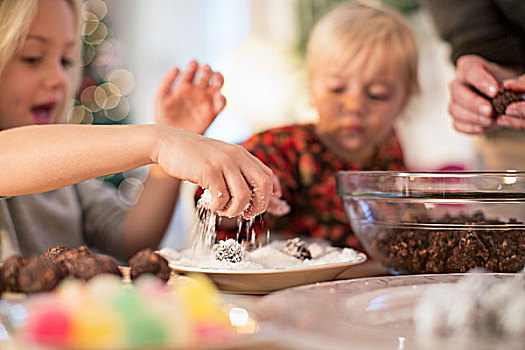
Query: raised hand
x=193 y=102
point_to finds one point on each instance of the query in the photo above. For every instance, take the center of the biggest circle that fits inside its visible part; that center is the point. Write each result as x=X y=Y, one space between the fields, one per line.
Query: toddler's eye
x=378 y=96
x=337 y=90
x=31 y=59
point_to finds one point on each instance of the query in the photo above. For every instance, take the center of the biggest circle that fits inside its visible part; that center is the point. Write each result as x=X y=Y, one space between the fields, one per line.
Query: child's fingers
x=189 y=73
x=217 y=81
x=261 y=184
x=204 y=80
x=167 y=81
x=219 y=102
x=258 y=163
x=278 y=207
x=277 y=192
x=240 y=193
x=220 y=195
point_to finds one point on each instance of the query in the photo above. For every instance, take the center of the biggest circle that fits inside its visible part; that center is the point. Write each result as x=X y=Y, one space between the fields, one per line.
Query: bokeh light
x=124 y=79
x=130 y=189
x=98 y=7
x=81 y=115
x=120 y=112
x=104 y=54
x=104 y=85
x=107 y=96
x=101 y=97
x=88 y=100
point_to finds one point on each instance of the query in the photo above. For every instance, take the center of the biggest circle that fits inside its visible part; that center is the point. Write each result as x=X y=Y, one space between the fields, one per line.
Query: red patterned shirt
x=306 y=170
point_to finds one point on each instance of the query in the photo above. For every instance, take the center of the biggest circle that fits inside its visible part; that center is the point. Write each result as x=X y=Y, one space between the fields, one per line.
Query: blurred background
x=258 y=46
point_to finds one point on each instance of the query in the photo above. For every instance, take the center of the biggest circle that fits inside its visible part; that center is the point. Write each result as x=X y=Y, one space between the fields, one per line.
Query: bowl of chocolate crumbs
x=437 y=222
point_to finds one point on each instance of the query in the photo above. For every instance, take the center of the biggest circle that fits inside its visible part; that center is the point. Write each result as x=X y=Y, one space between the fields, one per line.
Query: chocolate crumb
x=414 y=250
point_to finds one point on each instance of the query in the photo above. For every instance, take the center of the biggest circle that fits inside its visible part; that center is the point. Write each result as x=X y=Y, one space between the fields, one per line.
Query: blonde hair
x=16 y=17
x=357 y=32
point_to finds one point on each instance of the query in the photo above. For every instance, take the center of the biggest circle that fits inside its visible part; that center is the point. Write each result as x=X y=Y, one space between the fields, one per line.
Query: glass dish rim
x=509 y=194
x=413 y=173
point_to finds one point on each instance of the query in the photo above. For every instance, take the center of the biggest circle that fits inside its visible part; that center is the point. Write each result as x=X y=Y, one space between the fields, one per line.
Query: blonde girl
x=39 y=69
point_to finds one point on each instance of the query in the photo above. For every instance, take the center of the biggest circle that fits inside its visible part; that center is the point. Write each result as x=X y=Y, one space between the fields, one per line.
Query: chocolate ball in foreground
x=10 y=271
x=39 y=275
x=85 y=267
x=147 y=261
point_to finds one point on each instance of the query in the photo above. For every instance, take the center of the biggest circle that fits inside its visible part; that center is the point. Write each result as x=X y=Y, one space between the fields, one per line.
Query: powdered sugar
x=267 y=257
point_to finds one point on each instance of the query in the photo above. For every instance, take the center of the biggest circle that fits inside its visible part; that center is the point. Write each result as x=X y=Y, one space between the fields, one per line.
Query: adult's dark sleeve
x=481 y=27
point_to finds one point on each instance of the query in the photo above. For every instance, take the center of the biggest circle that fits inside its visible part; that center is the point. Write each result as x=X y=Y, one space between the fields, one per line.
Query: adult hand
x=514 y=116
x=476 y=82
x=239 y=183
x=193 y=103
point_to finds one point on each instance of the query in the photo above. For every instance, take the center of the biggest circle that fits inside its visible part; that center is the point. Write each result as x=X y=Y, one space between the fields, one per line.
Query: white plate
x=367 y=313
x=263 y=281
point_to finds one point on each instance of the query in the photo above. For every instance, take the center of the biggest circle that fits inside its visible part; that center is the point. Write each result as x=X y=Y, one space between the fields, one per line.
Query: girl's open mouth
x=44 y=113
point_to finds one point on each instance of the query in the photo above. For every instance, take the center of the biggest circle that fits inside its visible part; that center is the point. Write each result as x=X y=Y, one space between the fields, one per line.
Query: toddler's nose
x=352 y=101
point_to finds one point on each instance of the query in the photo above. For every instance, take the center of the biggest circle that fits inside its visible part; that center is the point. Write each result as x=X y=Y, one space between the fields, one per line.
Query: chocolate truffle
x=503 y=99
x=39 y=275
x=55 y=253
x=85 y=267
x=10 y=271
x=297 y=248
x=229 y=250
x=147 y=261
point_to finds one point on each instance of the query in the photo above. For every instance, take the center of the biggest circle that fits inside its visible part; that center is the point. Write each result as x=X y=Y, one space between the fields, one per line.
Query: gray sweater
x=87 y=213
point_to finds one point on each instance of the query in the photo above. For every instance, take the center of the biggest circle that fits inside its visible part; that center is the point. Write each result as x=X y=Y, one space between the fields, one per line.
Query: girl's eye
x=66 y=62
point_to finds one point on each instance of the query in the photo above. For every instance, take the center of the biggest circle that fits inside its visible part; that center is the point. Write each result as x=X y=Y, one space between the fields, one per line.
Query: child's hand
x=239 y=182
x=515 y=113
x=277 y=206
x=190 y=105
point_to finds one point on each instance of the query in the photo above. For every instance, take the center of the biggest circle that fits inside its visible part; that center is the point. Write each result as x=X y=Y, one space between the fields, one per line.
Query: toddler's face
x=34 y=82
x=357 y=104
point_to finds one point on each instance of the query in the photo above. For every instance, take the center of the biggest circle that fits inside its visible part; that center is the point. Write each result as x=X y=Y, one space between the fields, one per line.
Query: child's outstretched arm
x=41 y=158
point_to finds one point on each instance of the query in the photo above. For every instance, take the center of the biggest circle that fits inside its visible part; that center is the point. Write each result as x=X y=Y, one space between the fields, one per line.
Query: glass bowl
x=437 y=222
